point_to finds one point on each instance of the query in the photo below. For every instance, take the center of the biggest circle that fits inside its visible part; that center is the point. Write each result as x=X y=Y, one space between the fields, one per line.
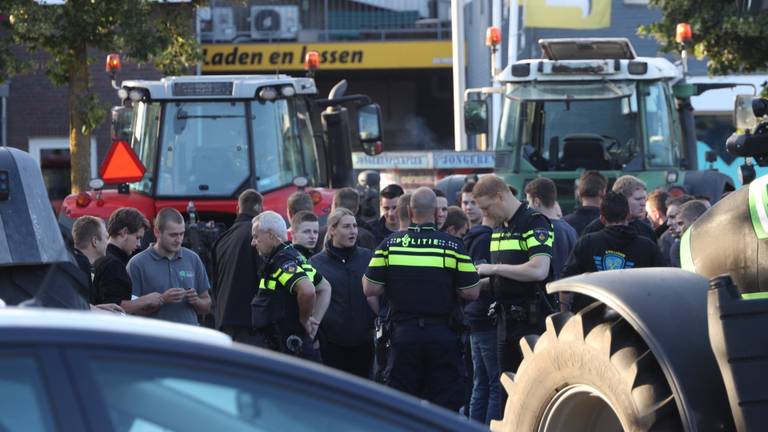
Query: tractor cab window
x=204 y=149
x=569 y=126
x=661 y=135
x=143 y=137
x=282 y=143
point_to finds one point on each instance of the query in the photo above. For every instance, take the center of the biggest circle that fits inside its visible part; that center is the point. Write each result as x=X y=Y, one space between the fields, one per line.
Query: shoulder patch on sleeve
x=541 y=235
x=289 y=267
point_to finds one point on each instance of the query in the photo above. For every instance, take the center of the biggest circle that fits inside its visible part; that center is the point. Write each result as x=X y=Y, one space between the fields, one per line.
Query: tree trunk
x=79 y=142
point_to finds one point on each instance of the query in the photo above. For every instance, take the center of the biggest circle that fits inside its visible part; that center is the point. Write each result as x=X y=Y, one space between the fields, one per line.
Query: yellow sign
x=355 y=55
x=567 y=14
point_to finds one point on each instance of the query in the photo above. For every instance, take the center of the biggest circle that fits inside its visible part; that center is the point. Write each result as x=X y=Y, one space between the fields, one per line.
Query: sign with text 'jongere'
x=348 y=55
x=415 y=160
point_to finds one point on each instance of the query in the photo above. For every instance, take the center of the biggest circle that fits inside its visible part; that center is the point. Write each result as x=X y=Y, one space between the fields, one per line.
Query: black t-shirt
x=526 y=235
x=110 y=278
x=421 y=269
x=275 y=303
x=612 y=248
x=581 y=217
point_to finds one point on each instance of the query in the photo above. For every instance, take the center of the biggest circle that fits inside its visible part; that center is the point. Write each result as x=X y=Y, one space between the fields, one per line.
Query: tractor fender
x=452 y=185
x=668 y=308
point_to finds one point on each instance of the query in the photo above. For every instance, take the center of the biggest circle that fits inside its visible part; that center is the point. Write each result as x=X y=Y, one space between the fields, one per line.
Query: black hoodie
x=612 y=248
x=478 y=244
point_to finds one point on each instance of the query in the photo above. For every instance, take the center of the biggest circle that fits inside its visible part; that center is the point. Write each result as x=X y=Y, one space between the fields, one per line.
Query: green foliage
x=732 y=41
x=143 y=31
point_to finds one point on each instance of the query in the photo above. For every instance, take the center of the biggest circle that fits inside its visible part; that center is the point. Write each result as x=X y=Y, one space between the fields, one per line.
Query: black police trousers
x=510 y=329
x=425 y=361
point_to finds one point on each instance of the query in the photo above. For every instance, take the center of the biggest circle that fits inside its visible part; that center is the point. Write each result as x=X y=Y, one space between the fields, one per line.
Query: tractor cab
x=591 y=104
x=202 y=140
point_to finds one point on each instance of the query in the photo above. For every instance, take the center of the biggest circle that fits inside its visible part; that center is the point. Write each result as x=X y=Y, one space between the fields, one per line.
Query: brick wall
x=37 y=108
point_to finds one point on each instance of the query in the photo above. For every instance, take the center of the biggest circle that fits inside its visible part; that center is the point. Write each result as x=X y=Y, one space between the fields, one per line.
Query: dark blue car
x=85 y=371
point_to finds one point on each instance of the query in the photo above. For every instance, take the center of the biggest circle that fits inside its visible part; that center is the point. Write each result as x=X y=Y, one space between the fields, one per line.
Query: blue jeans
x=484 y=404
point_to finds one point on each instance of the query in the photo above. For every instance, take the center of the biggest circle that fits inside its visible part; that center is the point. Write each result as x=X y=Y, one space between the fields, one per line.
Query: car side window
x=152 y=396
x=25 y=405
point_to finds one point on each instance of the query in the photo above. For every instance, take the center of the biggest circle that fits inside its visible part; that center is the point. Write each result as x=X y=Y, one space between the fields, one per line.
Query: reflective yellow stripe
x=502 y=245
x=467 y=267
x=450 y=262
x=377 y=262
x=270 y=284
x=416 y=261
x=309 y=270
x=380 y=253
x=533 y=241
x=416 y=249
x=284 y=278
x=457 y=255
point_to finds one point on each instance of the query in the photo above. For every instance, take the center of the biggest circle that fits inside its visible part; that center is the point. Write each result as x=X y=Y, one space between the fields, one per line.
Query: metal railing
x=232 y=21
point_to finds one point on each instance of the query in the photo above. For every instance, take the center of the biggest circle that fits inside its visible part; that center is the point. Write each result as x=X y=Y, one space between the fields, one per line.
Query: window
x=52 y=154
x=204 y=149
x=146 y=125
x=280 y=145
x=588 y=125
x=25 y=405
x=147 y=395
x=662 y=137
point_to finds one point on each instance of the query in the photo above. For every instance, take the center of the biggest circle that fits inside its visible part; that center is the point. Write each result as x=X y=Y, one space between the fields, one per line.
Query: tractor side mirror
x=476 y=116
x=121 y=119
x=180 y=122
x=369 y=128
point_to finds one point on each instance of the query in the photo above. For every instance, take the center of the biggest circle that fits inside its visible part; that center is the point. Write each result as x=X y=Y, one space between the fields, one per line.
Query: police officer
x=423 y=272
x=283 y=306
x=521 y=255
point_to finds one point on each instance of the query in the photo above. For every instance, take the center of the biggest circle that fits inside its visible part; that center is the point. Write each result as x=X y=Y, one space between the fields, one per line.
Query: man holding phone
x=168 y=268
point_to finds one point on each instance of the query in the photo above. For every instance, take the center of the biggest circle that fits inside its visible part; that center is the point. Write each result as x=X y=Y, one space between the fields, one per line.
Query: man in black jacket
x=90 y=240
x=388 y=223
x=617 y=246
x=634 y=190
x=126 y=227
x=591 y=190
x=235 y=271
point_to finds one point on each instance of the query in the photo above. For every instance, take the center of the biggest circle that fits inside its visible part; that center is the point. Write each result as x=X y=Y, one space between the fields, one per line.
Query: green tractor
x=593 y=104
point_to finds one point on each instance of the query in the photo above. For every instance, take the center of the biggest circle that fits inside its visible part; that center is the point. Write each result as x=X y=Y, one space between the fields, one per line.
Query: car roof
x=62 y=319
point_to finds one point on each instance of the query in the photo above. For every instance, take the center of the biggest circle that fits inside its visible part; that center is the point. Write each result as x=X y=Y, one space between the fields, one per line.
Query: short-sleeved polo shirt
x=525 y=235
x=151 y=272
x=275 y=302
x=421 y=269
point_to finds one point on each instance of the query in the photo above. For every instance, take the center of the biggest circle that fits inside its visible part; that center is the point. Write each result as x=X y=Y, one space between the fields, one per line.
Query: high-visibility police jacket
x=525 y=235
x=311 y=272
x=421 y=269
x=275 y=302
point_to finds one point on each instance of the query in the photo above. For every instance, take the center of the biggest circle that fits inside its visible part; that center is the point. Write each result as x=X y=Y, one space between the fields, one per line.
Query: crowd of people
x=430 y=298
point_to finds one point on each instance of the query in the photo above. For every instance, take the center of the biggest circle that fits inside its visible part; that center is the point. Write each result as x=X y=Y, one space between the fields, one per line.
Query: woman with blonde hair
x=346 y=332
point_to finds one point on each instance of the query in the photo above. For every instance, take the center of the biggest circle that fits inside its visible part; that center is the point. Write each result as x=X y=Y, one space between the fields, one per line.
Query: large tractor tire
x=589 y=371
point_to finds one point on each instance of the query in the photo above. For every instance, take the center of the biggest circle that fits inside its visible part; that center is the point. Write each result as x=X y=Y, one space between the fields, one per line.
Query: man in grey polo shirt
x=177 y=273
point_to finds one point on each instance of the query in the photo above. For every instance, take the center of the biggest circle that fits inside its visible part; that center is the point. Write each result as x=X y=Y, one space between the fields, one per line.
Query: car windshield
x=565 y=127
x=204 y=146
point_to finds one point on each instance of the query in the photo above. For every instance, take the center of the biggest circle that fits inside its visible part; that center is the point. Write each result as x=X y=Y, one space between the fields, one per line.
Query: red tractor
x=195 y=142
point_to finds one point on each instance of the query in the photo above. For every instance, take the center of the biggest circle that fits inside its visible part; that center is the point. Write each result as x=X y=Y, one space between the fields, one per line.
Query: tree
x=731 y=39
x=70 y=34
